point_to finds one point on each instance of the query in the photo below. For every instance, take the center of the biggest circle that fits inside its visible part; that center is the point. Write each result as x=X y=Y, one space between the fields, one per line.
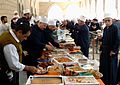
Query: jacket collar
x=13 y=35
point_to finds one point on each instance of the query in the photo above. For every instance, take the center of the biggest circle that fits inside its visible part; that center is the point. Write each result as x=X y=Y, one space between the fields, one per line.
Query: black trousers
x=108 y=67
x=118 y=75
x=4 y=79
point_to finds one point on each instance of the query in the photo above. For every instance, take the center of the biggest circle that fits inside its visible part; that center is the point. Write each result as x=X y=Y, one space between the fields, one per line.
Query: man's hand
x=25 y=53
x=49 y=47
x=61 y=45
x=64 y=22
x=112 y=53
x=100 y=37
x=31 y=69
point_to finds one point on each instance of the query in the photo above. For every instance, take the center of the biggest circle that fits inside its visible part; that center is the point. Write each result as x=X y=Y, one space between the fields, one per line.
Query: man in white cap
x=82 y=36
x=49 y=33
x=37 y=41
x=14 y=19
x=109 y=52
x=26 y=17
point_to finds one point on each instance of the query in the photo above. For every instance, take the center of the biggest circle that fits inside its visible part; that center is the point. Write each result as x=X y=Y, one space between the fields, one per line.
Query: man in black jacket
x=80 y=34
x=109 y=52
x=82 y=31
x=37 y=41
x=49 y=33
x=25 y=18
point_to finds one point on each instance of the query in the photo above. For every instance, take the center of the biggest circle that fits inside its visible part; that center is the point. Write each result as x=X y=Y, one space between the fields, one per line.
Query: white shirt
x=11 y=55
x=61 y=34
x=4 y=27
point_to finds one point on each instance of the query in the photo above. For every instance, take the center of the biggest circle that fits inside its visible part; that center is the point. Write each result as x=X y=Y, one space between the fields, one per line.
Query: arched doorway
x=72 y=12
x=55 y=12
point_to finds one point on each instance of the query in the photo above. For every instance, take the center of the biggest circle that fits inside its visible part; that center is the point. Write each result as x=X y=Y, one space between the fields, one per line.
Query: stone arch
x=55 y=12
x=72 y=12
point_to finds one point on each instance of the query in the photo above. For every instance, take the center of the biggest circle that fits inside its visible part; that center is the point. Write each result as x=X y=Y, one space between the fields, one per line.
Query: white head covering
x=26 y=11
x=82 y=18
x=52 y=22
x=37 y=18
x=16 y=16
x=15 y=12
x=108 y=15
x=43 y=19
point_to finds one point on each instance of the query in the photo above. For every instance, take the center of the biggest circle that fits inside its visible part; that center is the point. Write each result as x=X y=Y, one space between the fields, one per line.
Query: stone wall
x=7 y=7
x=45 y=6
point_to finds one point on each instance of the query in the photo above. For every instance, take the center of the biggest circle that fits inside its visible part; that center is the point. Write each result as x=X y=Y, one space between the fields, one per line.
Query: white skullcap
x=82 y=18
x=16 y=16
x=52 y=22
x=26 y=11
x=37 y=18
x=43 y=19
x=15 y=12
x=98 y=31
x=107 y=15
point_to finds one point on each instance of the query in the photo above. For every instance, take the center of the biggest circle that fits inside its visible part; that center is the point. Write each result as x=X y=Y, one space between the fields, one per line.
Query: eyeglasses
x=107 y=20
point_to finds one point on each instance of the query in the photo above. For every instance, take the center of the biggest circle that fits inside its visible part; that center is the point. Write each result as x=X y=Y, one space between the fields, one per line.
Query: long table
x=58 y=74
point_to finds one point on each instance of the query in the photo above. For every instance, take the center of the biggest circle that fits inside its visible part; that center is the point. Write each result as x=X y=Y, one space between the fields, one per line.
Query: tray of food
x=95 y=73
x=77 y=69
x=82 y=61
x=78 y=80
x=55 y=68
x=63 y=60
x=60 y=51
x=45 y=80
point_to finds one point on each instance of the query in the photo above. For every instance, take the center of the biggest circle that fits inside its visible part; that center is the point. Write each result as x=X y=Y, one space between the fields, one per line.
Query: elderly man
x=82 y=37
x=109 y=52
x=36 y=42
x=80 y=34
x=49 y=33
x=14 y=19
x=11 y=55
x=26 y=17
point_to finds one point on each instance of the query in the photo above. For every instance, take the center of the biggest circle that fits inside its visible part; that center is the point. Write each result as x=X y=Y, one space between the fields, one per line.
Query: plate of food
x=78 y=80
x=76 y=69
x=62 y=60
x=45 y=80
x=55 y=68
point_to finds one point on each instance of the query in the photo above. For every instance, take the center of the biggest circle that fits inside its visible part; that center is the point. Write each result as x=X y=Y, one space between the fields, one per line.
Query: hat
x=107 y=15
x=26 y=11
x=37 y=18
x=52 y=22
x=82 y=18
x=15 y=12
x=16 y=16
x=43 y=19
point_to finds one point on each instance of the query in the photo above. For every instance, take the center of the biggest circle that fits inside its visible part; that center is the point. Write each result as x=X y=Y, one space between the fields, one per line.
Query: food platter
x=63 y=60
x=45 y=80
x=78 y=80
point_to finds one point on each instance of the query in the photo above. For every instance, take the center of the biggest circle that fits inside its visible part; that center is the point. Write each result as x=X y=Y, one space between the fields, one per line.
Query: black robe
x=108 y=64
x=80 y=34
x=50 y=38
x=118 y=75
x=82 y=38
x=35 y=44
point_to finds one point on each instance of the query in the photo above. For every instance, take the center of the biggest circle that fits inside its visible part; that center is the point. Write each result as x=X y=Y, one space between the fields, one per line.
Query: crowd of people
x=26 y=37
